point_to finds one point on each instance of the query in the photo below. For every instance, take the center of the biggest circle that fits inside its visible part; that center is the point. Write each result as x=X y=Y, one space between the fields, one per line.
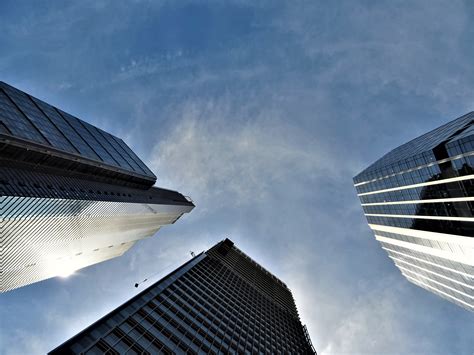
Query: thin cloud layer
x=219 y=156
x=262 y=112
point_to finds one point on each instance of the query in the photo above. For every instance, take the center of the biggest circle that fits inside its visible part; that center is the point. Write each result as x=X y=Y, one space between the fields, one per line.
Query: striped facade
x=46 y=237
x=71 y=195
x=220 y=302
x=419 y=202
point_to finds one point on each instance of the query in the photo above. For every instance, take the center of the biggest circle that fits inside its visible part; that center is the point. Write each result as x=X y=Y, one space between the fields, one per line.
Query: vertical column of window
x=87 y=137
x=137 y=160
x=131 y=157
x=121 y=151
x=463 y=143
x=189 y=316
x=193 y=313
x=40 y=121
x=58 y=130
x=107 y=146
x=16 y=122
x=66 y=129
x=155 y=325
x=204 y=314
x=4 y=129
x=181 y=321
x=126 y=342
x=172 y=329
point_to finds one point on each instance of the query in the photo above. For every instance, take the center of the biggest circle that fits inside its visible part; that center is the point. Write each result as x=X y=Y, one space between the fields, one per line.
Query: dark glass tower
x=419 y=202
x=220 y=302
x=71 y=194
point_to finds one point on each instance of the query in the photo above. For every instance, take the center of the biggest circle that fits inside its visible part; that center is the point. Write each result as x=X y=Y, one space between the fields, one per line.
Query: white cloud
x=215 y=154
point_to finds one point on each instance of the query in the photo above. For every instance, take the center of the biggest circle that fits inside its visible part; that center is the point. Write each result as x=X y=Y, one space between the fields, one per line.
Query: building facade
x=419 y=202
x=71 y=194
x=220 y=302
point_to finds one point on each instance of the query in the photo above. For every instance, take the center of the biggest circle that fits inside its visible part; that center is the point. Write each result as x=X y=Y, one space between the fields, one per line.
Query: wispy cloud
x=262 y=112
x=216 y=157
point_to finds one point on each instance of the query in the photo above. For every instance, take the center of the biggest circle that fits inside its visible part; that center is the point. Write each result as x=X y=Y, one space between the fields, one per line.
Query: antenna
x=192 y=254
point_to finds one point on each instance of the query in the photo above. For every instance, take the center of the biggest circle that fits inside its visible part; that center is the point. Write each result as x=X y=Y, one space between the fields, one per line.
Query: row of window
x=448 y=209
x=419 y=282
x=441 y=288
x=430 y=173
x=463 y=188
x=420 y=263
x=454 y=265
x=415 y=153
x=20 y=182
x=465 y=144
x=436 y=244
x=456 y=289
x=431 y=225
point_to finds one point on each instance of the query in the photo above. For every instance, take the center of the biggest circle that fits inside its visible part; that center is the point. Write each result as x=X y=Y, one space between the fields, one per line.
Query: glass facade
x=71 y=195
x=28 y=120
x=419 y=202
x=220 y=302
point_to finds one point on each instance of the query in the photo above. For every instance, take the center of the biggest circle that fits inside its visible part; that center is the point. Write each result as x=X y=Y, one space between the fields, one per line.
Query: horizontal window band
x=429 y=183
x=416 y=233
x=428 y=262
x=436 y=282
x=431 y=272
x=437 y=218
x=439 y=200
x=416 y=282
x=438 y=162
x=427 y=250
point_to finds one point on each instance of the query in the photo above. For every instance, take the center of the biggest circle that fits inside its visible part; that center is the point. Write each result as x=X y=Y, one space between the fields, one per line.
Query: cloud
x=263 y=123
x=216 y=154
x=391 y=43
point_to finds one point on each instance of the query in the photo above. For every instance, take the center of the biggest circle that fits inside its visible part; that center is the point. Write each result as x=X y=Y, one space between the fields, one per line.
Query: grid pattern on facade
x=25 y=117
x=417 y=152
x=419 y=201
x=255 y=274
x=209 y=308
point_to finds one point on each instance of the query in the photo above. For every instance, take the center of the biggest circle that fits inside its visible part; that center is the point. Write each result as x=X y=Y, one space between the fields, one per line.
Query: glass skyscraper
x=419 y=202
x=219 y=302
x=71 y=194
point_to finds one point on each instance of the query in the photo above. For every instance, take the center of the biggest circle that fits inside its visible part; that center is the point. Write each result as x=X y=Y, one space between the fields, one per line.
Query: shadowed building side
x=220 y=302
x=419 y=202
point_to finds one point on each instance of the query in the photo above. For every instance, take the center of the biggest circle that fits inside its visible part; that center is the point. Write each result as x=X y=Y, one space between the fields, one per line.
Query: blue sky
x=261 y=111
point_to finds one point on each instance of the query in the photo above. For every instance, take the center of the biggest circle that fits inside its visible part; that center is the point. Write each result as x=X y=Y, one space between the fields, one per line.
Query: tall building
x=419 y=202
x=219 y=302
x=71 y=194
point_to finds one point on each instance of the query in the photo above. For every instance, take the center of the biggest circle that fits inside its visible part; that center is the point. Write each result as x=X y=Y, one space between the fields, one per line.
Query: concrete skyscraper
x=71 y=194
x=419 y=202
x=219 y=302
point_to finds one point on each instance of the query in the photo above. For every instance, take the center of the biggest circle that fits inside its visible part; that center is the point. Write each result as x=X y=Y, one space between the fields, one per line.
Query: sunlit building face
x=72 y=195
x=419 y=202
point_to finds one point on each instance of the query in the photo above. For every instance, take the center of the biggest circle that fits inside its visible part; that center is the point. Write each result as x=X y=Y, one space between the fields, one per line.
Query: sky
x=262 y=112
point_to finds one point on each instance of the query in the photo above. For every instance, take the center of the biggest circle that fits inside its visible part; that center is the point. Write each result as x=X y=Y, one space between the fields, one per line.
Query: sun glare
x=65 y=273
